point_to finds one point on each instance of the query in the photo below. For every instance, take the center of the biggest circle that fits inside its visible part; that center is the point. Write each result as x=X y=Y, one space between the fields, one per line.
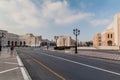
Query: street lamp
x=1 y=36
x=76 y=32
x=56 y=37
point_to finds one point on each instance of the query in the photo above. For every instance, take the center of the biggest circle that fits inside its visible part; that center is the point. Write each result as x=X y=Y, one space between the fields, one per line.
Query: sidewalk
x=105 y=55
x=10 y=68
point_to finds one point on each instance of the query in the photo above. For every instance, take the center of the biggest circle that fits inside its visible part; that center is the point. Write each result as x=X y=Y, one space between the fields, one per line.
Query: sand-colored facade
x=110 y=36
x=65 y=41
x=97 y=40
x=19 y=40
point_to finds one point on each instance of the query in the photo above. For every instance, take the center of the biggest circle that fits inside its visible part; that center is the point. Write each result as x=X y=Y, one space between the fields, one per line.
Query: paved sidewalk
x=9 y=66
x=105 y=55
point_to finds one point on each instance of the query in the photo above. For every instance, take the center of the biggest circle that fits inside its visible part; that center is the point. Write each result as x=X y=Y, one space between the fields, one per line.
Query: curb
x=25 y=73
x=116 y=58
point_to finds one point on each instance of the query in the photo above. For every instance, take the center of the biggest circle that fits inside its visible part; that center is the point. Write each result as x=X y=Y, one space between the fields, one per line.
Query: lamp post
x=56 y=37
x=76 y=32
x=1 y=36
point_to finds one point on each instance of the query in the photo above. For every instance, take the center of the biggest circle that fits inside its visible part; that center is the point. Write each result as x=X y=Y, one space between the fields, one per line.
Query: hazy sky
x=57 y=17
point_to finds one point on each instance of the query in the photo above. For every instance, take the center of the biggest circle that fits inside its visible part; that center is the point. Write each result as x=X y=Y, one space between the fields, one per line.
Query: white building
x=65 y=41
x=30 y=39
x=19 y=40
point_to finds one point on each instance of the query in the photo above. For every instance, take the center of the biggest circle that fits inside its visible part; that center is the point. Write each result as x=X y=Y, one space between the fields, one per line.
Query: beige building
x=110 y=36
x=30 y=39
x=19 y=40
x=65 y=41
x=97 y=40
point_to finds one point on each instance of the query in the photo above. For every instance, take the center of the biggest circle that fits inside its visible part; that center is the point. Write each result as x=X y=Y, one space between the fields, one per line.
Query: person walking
x=12 y=49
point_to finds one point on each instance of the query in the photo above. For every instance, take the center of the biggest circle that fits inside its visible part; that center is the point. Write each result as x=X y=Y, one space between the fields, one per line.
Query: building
x=97 y=40
x=65 y=41
x=3 y=40
x=110 y=36
x=30 y=40
x=19 y=40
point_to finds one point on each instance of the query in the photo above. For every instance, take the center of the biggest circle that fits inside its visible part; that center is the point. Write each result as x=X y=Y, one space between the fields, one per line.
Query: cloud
x=62 y=14
x=100 y=22
x=24 y=14
x=21 y=12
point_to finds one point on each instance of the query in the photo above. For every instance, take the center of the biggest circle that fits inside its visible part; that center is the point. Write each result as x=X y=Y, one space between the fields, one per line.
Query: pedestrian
x=12 y=49
x=47 y=47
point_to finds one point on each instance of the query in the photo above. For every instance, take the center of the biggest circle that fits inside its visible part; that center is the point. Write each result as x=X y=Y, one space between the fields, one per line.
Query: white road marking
x=86 y=65
x=10 y=63
x=8 y=70
x=6 y=58
x=25 y=74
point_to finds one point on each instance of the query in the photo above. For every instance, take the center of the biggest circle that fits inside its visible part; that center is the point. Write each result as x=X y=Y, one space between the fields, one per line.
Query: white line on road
x=10 y=63
x=8 y=70
x=25 y=74
x=86 y=65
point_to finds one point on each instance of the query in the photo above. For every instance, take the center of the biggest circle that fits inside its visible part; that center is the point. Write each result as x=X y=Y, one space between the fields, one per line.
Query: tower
x=117 y=29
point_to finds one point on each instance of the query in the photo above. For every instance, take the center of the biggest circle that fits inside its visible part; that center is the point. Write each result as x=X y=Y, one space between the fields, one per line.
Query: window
x=99 y=40
x=108 y=35
x=99 y=37
x=99 y=44
x=111 y=35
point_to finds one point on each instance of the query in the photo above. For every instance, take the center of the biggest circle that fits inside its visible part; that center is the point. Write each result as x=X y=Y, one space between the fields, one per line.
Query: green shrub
x=62 y=47
x=67 y=47
x=59 y=48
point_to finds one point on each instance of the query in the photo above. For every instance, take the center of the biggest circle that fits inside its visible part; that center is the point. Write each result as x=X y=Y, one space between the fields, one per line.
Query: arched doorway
x=8 y=43
x=109 y=43
x=15 y=43
x=24 y=43
x=12 y=43
x=20 y=43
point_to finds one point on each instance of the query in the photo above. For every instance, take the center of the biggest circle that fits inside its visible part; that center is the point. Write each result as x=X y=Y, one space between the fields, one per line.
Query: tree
x=89 y=43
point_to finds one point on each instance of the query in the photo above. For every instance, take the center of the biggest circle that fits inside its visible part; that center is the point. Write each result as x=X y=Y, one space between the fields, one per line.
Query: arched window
x=109 y=43
x=111 y=35
x=108 y=35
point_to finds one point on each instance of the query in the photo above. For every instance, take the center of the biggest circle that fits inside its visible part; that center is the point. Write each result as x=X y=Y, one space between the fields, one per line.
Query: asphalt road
x=48 y=65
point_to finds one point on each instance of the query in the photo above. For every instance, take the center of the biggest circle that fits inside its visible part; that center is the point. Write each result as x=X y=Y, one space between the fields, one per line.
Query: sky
x=51 y=18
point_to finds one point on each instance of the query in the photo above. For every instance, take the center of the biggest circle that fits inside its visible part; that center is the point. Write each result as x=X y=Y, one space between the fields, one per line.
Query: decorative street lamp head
x=55 y=37
x=76 y=32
